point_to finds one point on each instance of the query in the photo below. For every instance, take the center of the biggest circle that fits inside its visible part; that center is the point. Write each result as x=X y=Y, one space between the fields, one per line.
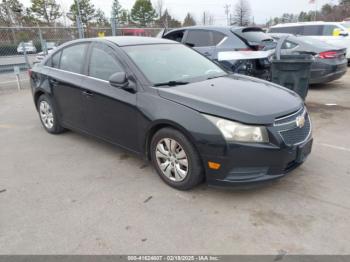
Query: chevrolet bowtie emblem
x=300 y=121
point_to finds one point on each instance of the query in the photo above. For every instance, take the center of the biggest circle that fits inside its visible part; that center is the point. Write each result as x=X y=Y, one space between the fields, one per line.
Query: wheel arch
x=160 y=124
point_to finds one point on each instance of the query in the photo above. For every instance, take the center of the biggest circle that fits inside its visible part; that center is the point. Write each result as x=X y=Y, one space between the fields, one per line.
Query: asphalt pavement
x=72 y=194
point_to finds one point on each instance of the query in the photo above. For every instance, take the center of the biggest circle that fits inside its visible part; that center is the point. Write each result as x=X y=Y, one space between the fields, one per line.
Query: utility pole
x=227 y=12
x=79 y=22
x=204 y=18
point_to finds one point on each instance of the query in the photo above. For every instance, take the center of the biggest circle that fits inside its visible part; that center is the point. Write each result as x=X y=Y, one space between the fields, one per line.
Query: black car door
x=111 y=111
x=66 y=82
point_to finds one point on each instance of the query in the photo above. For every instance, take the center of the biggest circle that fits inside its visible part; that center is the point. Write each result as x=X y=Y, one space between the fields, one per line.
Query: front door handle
x=207 y=54
x=87 y=93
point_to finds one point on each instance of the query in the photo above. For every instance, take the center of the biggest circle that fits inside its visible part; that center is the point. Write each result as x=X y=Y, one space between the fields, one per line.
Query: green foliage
x=87 y=11
x=101 y=19
x=166 y=20
x=189 y=20
x=143 y=12
x=124 y=17
x=11 y=13
x=46 y=10
x=116 y=9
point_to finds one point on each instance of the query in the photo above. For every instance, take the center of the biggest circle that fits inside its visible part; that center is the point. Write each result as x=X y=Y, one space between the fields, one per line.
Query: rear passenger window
x=199 y=38
x=217 y=37
x=312 y=30
x=103 y=64
x=330 y=30
x=72 y=58
x=295 y=30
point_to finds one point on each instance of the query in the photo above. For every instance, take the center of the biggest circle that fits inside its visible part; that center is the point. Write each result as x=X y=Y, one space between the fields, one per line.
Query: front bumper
x=251 y=164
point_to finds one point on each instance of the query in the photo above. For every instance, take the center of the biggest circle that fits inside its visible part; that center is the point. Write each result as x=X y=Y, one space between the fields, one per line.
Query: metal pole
x=79 y=22
x=42 y=43
x=25 y=55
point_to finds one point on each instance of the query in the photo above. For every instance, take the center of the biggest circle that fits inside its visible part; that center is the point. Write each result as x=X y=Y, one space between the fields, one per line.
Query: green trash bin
x=292 y=72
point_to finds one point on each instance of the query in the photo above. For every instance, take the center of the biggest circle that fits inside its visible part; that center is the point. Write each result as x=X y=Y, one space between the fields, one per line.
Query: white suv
x=331 y=32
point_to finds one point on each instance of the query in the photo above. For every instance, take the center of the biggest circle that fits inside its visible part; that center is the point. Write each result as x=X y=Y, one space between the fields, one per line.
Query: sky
x=261 y=10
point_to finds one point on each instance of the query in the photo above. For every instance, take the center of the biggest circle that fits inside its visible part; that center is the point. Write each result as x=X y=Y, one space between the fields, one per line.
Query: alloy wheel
x=172 y=159
x=46 y=114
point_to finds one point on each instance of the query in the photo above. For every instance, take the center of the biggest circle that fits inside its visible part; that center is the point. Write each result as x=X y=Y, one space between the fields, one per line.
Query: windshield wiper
x=217 y=76
x=171 y=83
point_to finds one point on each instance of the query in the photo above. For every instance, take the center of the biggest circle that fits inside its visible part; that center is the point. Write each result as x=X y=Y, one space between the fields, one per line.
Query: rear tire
x=48 y=115
x=176 y=160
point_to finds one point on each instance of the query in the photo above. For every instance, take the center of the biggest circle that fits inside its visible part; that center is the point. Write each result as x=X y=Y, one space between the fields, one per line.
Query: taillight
x=30 y=72
x=328 y=55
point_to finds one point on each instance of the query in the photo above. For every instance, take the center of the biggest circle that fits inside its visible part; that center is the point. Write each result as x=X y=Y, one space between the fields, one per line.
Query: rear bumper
x=323 y=73
x=251 y=165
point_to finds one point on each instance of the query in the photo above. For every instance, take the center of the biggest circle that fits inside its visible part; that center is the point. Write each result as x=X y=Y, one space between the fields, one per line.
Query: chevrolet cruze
x=168 y=103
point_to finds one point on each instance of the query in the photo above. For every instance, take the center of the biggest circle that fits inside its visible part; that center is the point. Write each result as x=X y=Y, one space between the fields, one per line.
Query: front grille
x=290 y=132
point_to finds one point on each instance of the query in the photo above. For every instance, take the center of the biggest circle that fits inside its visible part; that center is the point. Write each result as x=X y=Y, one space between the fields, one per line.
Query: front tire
x=175 y=159
x=48 y=115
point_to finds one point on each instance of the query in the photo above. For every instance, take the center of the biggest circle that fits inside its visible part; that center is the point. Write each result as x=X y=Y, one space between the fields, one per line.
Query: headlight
x=236 y=132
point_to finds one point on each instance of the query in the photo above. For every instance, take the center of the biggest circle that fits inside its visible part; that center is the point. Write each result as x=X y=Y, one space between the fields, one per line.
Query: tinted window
x=199 y=38
x=295 y=30
x=56 y=60
x=172 y=62
x=103 y=64
x=217 y=37
x=330 y=30
x=312 y=30
x=72 y=58
x=253 y=35
x=176 y=36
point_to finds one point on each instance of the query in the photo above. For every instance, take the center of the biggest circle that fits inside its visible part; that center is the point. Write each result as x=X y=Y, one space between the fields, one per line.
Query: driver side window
x=103 y=64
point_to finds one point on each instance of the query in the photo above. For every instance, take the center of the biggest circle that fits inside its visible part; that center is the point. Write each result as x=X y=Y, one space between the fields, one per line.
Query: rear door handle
x=87 y=93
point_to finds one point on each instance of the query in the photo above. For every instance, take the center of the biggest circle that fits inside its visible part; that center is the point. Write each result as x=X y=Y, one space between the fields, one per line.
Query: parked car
x=164 y=101
x=26 y=46
x=244 y=50
x=51 y=45
x=40 y=56
x=329 y=63
x=330 y=32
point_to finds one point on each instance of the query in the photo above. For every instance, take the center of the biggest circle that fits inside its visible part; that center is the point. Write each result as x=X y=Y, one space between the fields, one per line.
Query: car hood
x=236 y=97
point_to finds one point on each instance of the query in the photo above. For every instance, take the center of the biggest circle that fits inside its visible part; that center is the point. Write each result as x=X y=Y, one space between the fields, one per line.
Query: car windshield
x=162 y=63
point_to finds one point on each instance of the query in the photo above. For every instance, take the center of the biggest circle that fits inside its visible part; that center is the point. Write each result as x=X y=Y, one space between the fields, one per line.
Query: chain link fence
x=22 y=46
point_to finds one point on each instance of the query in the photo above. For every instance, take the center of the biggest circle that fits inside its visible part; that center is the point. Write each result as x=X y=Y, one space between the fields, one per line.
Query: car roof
x=136 y=40
x=306 y=23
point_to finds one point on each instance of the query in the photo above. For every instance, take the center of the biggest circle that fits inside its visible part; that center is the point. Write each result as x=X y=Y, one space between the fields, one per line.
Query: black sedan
x=164 y=101
x=330 y=62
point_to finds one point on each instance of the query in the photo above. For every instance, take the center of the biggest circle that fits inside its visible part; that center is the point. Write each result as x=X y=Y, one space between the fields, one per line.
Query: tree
x=241 y=13
x=100 y=18
x=124 y=18
x=143 y=12
x=87 y=11
x=166 y=20
x=46 y=10
x=11 y=13
x=116 y=10
x=159 y=7
x=189 y=20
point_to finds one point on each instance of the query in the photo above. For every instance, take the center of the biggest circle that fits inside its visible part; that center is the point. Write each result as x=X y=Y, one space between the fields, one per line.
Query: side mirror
x=344 y=33
x=119 y=80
